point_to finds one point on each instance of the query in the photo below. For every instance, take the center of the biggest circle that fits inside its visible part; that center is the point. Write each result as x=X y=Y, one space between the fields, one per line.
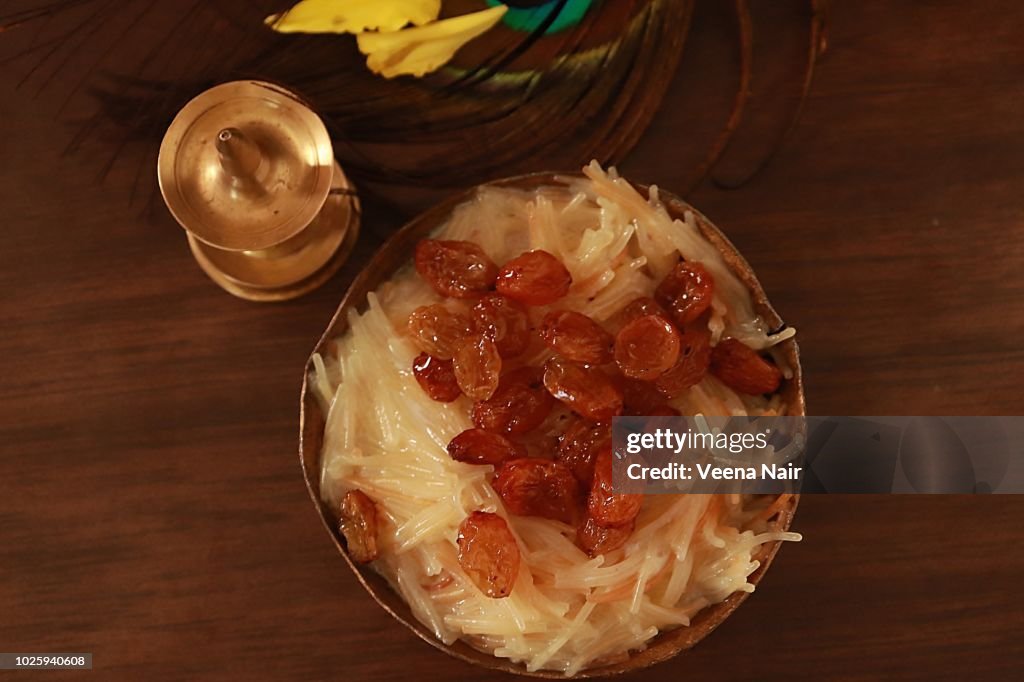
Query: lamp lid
x=245 y=165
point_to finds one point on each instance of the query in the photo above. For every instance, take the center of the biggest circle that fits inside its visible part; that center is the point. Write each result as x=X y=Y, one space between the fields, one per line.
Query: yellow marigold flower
x=420 y=50
x=354 y=16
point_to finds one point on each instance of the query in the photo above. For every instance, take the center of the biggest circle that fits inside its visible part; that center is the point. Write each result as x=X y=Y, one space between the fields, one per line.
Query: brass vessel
x=248 y=170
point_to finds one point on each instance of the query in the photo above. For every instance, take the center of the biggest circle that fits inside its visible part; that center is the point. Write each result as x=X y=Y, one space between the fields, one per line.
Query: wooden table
x=152 y=511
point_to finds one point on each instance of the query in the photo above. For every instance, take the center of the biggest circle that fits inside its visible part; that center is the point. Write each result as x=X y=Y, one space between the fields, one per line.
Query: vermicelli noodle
x=387 y=438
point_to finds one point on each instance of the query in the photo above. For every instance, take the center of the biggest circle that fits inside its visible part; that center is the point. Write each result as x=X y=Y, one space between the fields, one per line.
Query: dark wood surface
x=151 y=505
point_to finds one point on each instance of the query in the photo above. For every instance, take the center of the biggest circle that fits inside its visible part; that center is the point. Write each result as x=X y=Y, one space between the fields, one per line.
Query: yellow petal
x=354 y=16
x=416 y=51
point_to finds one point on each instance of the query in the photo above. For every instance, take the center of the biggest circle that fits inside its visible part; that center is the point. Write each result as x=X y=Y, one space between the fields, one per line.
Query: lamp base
x=296 y=266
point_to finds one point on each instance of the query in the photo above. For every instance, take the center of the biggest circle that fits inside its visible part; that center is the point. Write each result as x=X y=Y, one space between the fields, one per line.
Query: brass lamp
x=248 y=170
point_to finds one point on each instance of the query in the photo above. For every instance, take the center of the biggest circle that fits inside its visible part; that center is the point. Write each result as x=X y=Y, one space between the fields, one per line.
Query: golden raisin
x=638 y=307
x=534 y=278
x=520 y=404
x=505 y=321
x=488 y=553
x=437 y=330
x=740 y=368
x=594 y=539
x=692 y=365
x=455 y=268
x=436 y=377
x=608 y=508
x=477 y=366
x=538 y=487
x=476 y=446
x=579 y=446
x=686 y=292
x=358 y=524
x=576 y=337
x=585 y=390
x=647 y=347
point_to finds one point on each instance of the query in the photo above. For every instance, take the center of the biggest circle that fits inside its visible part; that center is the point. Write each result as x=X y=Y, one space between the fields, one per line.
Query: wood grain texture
x=152 y=510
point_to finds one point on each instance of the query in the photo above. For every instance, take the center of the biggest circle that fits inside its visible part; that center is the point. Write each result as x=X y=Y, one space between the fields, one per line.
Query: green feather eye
x=528 y=19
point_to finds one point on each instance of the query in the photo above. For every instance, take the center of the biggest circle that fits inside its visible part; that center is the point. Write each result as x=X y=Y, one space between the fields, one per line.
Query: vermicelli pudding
x=467 y=446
